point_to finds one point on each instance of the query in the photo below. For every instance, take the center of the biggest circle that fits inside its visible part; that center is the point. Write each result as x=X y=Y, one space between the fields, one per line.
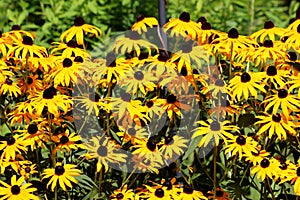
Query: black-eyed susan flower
x=92 y=103
x=245 y=85
x=188 y=193
x=17 y=34
x=132 y=42
x=219 y=86
x=26 y=48
x=214 y=130
x=276 y=123
x=156 y=193
x=14 y=164
x=14 y=144
x=161 y=64
x=153 y=108
x=240 y=145
x=62 y=175
x=283 y=100
x=27 y=170
x=173 y=146
x=206 y=35
x=4 y=71
x=257 y=157
x=19 y=189
x=79 y=30
x=68 y=50
x=274 y=76
x=220 y=195
x=29 y=83
x=269 y=32
x=10 y=87
x=143 y=22
x=48 y=98
x=265 y=169
x=22 y=112
x=294 y=177
x=145 y=165
x=183 y=26
x=123 y=193
x=131 y=133
x=293 y=36
x=5 y=45
x=294 y=24
x=105 y=151
x=68 y=141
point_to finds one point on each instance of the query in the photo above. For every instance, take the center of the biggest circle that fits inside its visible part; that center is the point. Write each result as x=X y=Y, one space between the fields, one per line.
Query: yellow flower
x=26 y=170
x=268 y=32
x=173 y=146
x=265 y=169
x=79 y=30
x=68 y=141
x=17 y=190
x=123 y=193
x=13 y=145
x=62 y=174
x=68 y=50
x=142 y=22
x=188 y=193
x=10 y=87
x=157 y=193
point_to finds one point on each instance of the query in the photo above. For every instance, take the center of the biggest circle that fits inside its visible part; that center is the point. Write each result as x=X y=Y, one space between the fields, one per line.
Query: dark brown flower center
x=72 y=44
x=149 y=103
x=271 y=71
x=27 y=40
x=219 y=82
x=206 y=26
x=298 y=171
x=79 y=21
x=255 y=153
x=140 y=18
x=67 y=62
x=139 y=75
x=8 y=81
x=102 y=151
x=188 y=189
x=282 y=93
x=215 y=126
x=49 y=93
x=201 y=20
x=159 y=193
x=283 y=39
x=185 y=17
x=10 y=140
x=59 y=170
x=64 y=139
x=151 y=145
x=143 y=55
x=15 y=28
x=268 y=43
x=29 y=80
x=233 y=33
x=94 y=97
x=241 y=140
x=169 y=141
x=15 y=190
x=298 y=28
x=27 y=169
x=171 y=98
x=265 y=163
x=268 y=25
x=245 y=77
x=283 y=166
x=168 y=184
x=292 y=56
x=120 y=196
x=111 y=59
x=219 y=193
x=78 y=59
x=183 y=71
x=276 y=117
x=125 y=96
x=163 y=56
x=32 y=128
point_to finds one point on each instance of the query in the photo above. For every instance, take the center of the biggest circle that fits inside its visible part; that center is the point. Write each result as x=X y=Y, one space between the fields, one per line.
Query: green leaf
x=246 y=120
x=192 y=147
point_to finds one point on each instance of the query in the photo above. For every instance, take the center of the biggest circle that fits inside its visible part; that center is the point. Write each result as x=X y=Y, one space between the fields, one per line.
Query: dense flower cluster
x=245 y=90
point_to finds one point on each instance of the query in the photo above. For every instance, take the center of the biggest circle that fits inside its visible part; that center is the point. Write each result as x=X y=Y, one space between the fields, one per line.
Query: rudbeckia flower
x=257 y=157
x=5 y=44
x=79 y=30
x=183 y=26
x=142 y=22
x=68 y=50
x=294 y=177
x=132 y=133
x=274 y=76
x=19 y=189
x=268 y=32
x=246 y=84
x=68 y=141
x=93 y=103
x=105 y=151
x=4 y=71
x=156 y=193
x=276 y=123
x=294 y=24
x=173 y=147
x=29 y=83
x=265 y=169
x=132 y=42
x=9 y=87
x=27 y=170
x=14 y=164
x=283 y=100
x=220 y=195
x=145 y=165
x=123 y=193
x=188 y=193
x=13 y=145
x=161 y=64
x=213 y=130
x=241 y=145
x=206 y=35
x=293 y=41
x=62 y=175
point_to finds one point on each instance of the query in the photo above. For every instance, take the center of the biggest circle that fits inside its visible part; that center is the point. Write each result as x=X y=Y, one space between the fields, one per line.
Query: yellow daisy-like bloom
x=220 y=195
x=241 y=145
x=50 y=99
x=4 y=71
x=145 y=165
x=183 y=26
x=213 y=130
x=22 y=113
x=123 y=193
x=161 y=64
x=285 y=169
x=79 y=30
x=294 y=177
x=5 y=44
x=10 y=87
x=294 y=25
x=274 y=76
x=276 y=123
x=173 y=146
x=68 y=141
x=138 y=80
x=148 y=149
x=287 y=102
x=17 y=34
x=132 y=42
x=142 y=22
x=68 y=50
x=270 y=50
x=132 y=133
x=245 y=85
x=188 y=193
x=105 y=151
x=13 y=145
x=13 y=164
x=257 y=157
x=45 y=64
x=189 y=56
x=17 y=190
x=26 y=170
x=30 y=83
x=217 y=87
x=26 y=48
x=265 y=169
x=92 y=103
x=153 y=108
x=207 y=34
x=268 y=32
x=62 y=175
x=156 y=193
x=293 y=41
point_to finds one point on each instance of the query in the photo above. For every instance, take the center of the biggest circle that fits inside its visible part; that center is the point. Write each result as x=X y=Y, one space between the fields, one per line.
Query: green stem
x=100 y=181
x=203 y=167
x=273 y=196
x=215 y=170
x=245 y=173
x=231 y=62
x=124 y=182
